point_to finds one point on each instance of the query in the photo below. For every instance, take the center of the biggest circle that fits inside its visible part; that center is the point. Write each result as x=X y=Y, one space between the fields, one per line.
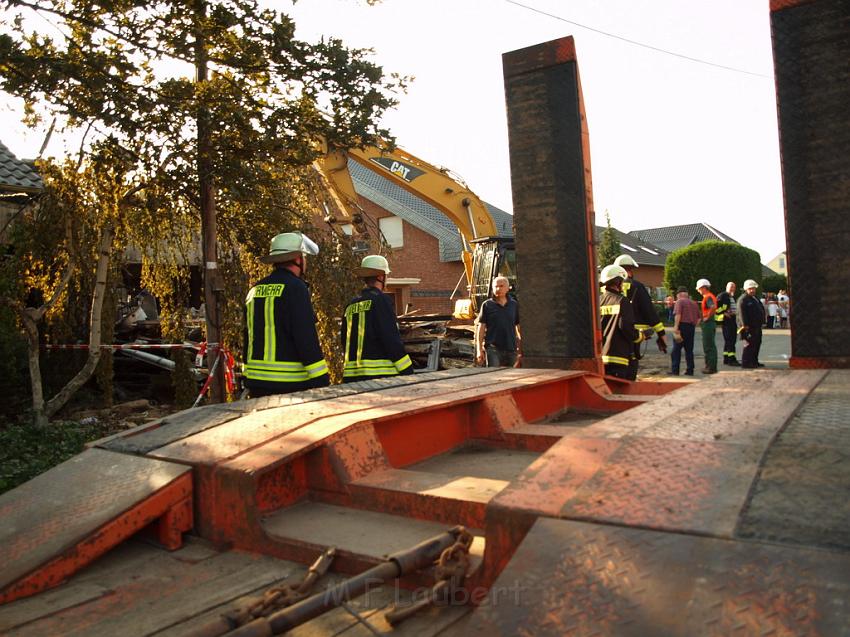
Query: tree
x=774 y=283
x=717 y=261
x=609 y=246
x=209 y=107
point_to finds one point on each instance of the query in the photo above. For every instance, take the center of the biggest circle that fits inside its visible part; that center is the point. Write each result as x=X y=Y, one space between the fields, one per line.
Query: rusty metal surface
x=230 y=439
x=794 y=500
x=51 y=514
x=192 y=421
x=574 y=579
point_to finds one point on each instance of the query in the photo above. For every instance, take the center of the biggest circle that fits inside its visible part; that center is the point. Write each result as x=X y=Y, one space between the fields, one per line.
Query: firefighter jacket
x=282 y=352
x=750 y=312
x=646 y=317
x=726 y=306
x=619 y=334
x=373 y=347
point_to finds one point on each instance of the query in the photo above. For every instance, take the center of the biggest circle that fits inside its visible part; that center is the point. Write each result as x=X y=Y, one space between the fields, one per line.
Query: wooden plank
x=23 y=611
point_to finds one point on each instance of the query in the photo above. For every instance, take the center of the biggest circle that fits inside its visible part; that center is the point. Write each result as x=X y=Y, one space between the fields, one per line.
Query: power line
x=636 y=43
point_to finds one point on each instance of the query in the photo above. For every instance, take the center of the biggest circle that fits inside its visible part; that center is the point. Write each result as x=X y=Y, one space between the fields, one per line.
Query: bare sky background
x=672 y=140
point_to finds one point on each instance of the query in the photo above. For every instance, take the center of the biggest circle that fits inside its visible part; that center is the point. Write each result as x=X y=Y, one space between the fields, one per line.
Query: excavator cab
x=491 y=257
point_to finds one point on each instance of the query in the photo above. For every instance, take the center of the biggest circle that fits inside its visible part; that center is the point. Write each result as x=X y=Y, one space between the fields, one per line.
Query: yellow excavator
x=485 y=254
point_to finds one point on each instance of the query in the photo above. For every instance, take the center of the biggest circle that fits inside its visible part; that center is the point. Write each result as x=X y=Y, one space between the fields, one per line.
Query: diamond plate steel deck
x=193 y=421
x=575 y=579
x=72 y=513
x=794 y=498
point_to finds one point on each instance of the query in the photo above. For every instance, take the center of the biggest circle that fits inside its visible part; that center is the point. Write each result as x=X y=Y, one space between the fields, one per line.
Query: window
x=645 y=249
x=782 y=262
x=629 y=248
x=393 y=231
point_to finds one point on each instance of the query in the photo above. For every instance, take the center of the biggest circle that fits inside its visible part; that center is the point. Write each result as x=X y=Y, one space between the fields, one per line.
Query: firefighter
x=282 y=352
x=750 y=319
x=726 y=316
x=619 y=335
x=370 y=336
x=646 y=318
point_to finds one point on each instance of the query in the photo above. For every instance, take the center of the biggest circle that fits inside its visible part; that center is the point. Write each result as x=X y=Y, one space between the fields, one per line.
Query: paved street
x=775 y=352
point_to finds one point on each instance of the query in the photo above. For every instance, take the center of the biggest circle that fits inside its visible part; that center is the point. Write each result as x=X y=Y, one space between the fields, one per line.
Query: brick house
x=649 y=257
x=425 y=256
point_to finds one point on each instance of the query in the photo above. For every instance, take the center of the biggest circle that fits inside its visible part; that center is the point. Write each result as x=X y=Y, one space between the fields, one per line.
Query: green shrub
x=717 y=261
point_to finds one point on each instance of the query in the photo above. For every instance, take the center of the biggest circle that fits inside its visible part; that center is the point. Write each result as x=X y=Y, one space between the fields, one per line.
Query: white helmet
x=703 y=283
x=288 y=245
x=611 y=272
x=625 y=259
x=372 y=265
x=749 y=283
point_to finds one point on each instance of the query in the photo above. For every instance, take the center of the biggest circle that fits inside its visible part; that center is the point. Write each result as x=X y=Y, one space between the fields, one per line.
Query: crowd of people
x=283 y=354
x=628 y=318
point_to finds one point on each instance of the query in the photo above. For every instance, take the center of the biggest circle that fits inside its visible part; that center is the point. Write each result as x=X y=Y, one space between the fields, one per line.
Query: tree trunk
x=104 y=253
x=31 y=329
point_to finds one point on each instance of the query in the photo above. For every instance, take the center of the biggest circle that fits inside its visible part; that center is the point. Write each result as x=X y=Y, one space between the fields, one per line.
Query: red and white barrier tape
x=128 y=346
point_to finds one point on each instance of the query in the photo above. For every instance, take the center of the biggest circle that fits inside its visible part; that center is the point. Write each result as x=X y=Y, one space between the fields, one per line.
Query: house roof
x=643 y=252
x=673 y=237
x=419 y=213
x=17 y=175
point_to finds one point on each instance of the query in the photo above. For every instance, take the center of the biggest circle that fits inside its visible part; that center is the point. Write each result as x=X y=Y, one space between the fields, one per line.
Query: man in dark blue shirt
x=497 y=334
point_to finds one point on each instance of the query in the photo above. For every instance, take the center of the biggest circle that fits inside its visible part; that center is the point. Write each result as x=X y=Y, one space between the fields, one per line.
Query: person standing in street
x=646 y=318
x=709 y=326
x=619 y=334
x=370 y=336
x=498 y=339
x=686 y=315
x=281 y=346
x=726 y=315
x=750 y=320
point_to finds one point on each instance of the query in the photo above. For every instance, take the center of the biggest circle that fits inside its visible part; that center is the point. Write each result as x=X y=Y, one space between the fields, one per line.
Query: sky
x=672 y=140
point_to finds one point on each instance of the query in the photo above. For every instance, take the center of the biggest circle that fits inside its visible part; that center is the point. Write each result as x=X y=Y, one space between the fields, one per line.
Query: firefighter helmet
x=625 y=259
x=749 y=283
x=703 y=283
x=373 y=265
x=611 y=272
x=288 y=245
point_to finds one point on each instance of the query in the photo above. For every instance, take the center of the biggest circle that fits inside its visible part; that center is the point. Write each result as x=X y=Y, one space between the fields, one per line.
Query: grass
x=26 y=451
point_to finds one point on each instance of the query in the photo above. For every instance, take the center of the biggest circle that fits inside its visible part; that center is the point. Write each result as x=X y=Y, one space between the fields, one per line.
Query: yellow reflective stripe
x=626 y=286
x=250 y=311
x=639 y=339
x=370 y=367
x=278 y=376
x=269 y=340
x=283 y=366
x=658 y=327
x=403 y=363
x=314 y=370
x=642 y=326
x=616 y=360
x=361 y=334
x=348 y=320
x=609 y=310
x=370 y=362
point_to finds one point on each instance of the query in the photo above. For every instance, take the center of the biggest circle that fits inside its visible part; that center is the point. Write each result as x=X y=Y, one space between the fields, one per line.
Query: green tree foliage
x=609 y=246
x=717 y=261
x=122 y=75
x=774 y=283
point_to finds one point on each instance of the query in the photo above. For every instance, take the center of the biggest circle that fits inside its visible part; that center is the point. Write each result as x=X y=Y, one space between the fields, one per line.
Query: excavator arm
x=431 y=184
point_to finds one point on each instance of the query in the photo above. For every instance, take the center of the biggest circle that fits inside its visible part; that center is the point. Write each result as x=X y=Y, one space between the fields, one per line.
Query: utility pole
x=212 y=277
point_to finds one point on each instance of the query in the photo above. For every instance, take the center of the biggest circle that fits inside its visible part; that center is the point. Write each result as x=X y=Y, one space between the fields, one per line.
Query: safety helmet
x=749 y=283
x=288 y=245
x=625 y=259
x=611 y=272
x=703 y=283
x=372 y=265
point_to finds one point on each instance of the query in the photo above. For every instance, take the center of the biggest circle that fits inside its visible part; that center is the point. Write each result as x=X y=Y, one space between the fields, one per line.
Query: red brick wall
x=420 y=258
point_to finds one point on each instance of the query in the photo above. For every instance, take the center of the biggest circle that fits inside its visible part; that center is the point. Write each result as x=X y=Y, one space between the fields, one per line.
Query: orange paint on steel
x=779 y=5
x=819 y=362
x=421 y=435
x=156 y=507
